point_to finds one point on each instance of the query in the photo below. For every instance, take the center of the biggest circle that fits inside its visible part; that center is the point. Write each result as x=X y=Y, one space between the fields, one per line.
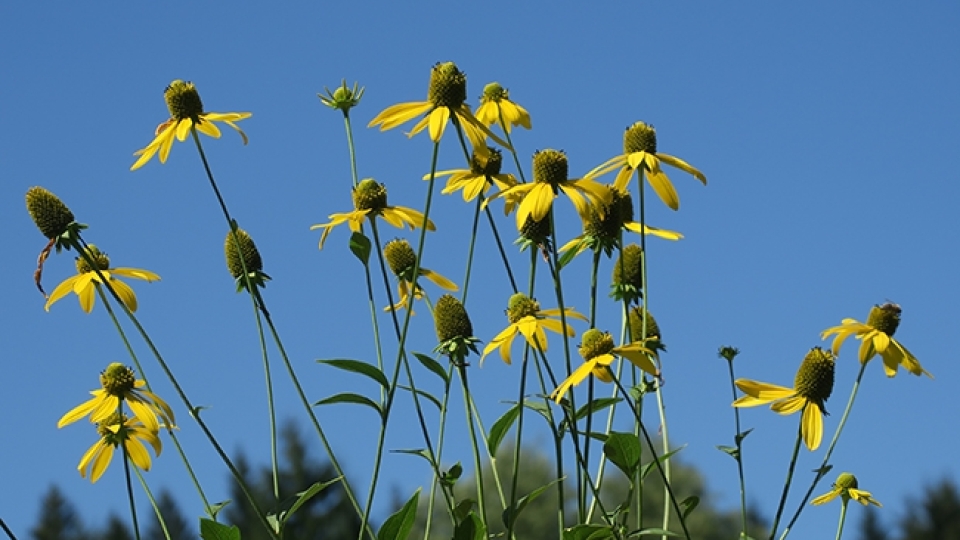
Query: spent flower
x=88 y=281
x=876 y=337
x=56 y=223
x=186 y=114
x=526 y=318
x=812 y=387
x=640 y=153
x=454 y=329
x=370 y=199
x=241 y=252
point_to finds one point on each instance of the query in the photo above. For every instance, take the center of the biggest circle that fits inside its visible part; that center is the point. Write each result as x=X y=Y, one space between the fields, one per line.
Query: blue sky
x=825 y=131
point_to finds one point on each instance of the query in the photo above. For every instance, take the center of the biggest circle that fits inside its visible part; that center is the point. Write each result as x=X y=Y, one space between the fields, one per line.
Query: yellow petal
x=64 y=288
x=81 y=410
x=826 y=497
x=137 y=273
x=125 y=293
x=438 y=123
x=812 y=426
x=439 y=280
x=663 y=188
x=101 y=461
x=682 y=165
x=400 y=113
x=765 y=392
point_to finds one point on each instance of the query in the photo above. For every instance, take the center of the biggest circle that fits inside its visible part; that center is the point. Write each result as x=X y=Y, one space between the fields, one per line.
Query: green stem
x=473 y=242
x=515 y=473
x=824 y=465
x=436 y=478
x=153 y=503
x=129 y=484
x=350 y=147
x=513 y=151
x=657 y=462
x=843 y=517
x=789 y=480
x=739 y=457
x=503 y=253
x=468 y=405
x=3 y=525
x=170 y=429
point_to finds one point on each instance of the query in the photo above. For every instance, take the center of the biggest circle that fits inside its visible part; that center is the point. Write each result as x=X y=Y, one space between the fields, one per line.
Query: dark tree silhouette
x=58 y=520
x=870 y=526
x=934 y=516
x=177 y=524
x=327 y=516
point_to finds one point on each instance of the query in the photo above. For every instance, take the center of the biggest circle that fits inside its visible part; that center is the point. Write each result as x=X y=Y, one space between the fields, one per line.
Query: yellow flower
x=601 y=229
x=640 y=149
x=484 y=172
x=876 y=336
x=370 y=198
x=598 y=353
x=528 y=319
x=402 y=259
x=846 y=487
x=86 y=282
x=445 y=101
x=115 y=430
x=549 y=178
x=812 y=386
x=119 y=384
x=186 y=113
x=495 y=105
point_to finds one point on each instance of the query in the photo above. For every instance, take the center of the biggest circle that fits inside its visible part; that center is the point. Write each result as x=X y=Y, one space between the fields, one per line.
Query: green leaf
x=499 y=429
x=741 y=436
x=217 y=507
x=649 y=466
x=588 y=409
x=511 y=513
x=463 y=509
x=433 y=366
x=422 y=452
x=540 y=408
x=425 y=394
x=398 y=526
x=211 y=530
x=470 y=528
x=450 y=477
x=654 y=532
x=588 y=532
x=357 y=366
x=360 y=246
x=689 y=504
x=732 y=450
x=623 y=450
x=305 y=496
x=568 y=256
x=350 y=397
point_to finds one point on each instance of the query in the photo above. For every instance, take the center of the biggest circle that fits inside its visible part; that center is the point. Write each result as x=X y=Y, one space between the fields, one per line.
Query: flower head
x=640 y=150
x=343 y=98
x=637 y=316
x=876 y=337
x=120 y=385
x=186 y=113
x=454 y=329
x=446 y=100
x=526 y=318
x=483 y=173
x=496 y=108
x=87 y=281
x=812 y=386
x=549 y=179
x=114 y=430
x=604 y=222
x=627 y=279
x=370 y=198
x=55 y=221
x=241 y=252
x=598 y=353
x=402 y=260
x=846 y=487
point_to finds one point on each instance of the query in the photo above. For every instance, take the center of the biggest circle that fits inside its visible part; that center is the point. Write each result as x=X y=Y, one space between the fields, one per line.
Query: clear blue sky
x=827 y=133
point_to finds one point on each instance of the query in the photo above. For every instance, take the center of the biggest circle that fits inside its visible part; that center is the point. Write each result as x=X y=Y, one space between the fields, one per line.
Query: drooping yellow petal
x=826 y=497
x=64 y=288
x=638 y=356
x=574 y=379
x=789 y=405
x=633 y=226
x=438 y=123
x=125 y=293
x=812 y=429
x=400 y=113
x=439 y=280
x=536 y=203
x=867 y=350
x=880 y=341
x=86 y=293
x=615 y=162
x=663 y=188
x=762 y=392
x=682 y=165
x=137 y=452
x=208 y=128
x=136 y=273
x=81 y=410
x=101 y=461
